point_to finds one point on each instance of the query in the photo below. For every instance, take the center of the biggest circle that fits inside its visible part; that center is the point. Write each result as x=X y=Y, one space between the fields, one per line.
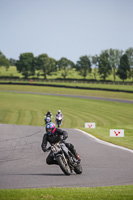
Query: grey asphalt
x=22 y=162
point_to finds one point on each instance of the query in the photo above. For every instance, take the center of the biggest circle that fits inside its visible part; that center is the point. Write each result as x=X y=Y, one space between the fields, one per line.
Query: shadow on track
x=41 y=174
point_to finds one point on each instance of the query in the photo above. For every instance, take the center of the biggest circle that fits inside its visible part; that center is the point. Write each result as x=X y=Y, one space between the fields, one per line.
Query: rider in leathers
x=49 y=114
x=55 y=136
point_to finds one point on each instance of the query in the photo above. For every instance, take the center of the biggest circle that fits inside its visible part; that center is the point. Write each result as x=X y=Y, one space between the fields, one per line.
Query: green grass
x=73 y=74
x=12 y=71
x=96 y=86
x=98 y=193
x=29 y=109
x=44 y=89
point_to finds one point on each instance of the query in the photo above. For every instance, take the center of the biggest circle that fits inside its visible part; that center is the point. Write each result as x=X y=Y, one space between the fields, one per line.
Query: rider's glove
x=44 y=150
x=48 y=149
x=61 y=138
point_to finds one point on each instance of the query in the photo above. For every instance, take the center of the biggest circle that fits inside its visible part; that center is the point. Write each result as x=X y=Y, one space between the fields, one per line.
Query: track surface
x=22 y=162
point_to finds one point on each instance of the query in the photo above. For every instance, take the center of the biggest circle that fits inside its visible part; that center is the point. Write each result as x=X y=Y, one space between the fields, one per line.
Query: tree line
x=109 y=61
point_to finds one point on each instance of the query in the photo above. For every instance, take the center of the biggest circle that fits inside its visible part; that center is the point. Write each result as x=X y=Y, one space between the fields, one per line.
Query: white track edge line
x=104 y=142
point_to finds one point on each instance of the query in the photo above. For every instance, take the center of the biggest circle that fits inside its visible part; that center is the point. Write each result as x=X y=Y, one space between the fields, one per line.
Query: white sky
x=65 y=28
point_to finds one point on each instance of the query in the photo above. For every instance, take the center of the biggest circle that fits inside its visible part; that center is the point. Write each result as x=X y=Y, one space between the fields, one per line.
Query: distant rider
x=59 y=113
x=56 y=116
x=54 y=135
x=48 y=115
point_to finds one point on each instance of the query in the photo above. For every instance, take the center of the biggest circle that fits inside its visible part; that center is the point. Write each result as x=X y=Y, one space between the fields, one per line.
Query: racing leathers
x=49 y=114
x=57 y=118
x=58 y=135
x=47 y=117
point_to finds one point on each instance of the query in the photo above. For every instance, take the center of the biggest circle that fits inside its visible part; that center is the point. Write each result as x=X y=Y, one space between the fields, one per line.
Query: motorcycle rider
x=48 y=114
x=54 y=135
x=58 y=113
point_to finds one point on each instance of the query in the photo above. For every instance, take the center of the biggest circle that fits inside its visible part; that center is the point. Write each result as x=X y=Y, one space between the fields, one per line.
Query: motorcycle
x=58 y=120
x=65 y=159
x=47 y=120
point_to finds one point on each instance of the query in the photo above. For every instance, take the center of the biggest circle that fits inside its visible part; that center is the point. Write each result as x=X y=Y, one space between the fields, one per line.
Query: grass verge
x=98 y=193
x=82 y=92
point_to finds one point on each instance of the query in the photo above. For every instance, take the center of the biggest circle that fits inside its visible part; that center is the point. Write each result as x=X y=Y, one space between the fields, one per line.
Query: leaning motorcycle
x=65 y=159
x=58 y=120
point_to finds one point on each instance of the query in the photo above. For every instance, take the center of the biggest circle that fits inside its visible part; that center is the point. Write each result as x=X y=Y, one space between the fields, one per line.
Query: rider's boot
x=77 y=156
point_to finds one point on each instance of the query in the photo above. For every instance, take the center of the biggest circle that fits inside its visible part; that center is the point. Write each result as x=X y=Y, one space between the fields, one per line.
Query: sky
x=65 y=28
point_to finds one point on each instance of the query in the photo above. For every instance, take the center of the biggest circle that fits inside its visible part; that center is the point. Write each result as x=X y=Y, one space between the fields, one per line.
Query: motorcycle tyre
x=59 y=124
x=60 y=162
x=78 y=169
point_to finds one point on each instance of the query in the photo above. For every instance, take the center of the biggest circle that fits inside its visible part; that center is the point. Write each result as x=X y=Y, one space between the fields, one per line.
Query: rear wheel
x=63 y=165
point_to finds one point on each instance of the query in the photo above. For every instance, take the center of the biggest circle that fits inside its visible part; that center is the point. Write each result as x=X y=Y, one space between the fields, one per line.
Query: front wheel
x=63 y=165
x=59 y=124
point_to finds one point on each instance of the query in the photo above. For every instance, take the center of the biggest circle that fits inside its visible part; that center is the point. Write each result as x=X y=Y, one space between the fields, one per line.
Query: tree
x=65 y=65
x=45 y=64
x=95 y=63
x=25 y=64
x=104 y=67
x=131 y=73
x=114 y=60
x=123 y=68
x=52 y=65
x=12 y=62
x=84 y=66
x=4 y=61
x=129 y=53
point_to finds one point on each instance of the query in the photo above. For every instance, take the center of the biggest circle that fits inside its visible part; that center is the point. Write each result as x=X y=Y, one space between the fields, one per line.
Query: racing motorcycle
x=65 y=159
x=47 y=120
x=58 y=120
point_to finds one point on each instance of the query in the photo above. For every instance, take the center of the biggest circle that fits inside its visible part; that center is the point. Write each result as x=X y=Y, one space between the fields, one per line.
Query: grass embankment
x=94 y=86
x=29 y=109
x=99 y=193
x=82 y=92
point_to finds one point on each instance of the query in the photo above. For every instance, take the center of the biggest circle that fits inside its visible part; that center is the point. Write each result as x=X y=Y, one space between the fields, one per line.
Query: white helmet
x=59 y=111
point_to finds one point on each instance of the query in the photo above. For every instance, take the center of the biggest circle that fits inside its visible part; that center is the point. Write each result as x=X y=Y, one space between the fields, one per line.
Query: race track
x=22 y=162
